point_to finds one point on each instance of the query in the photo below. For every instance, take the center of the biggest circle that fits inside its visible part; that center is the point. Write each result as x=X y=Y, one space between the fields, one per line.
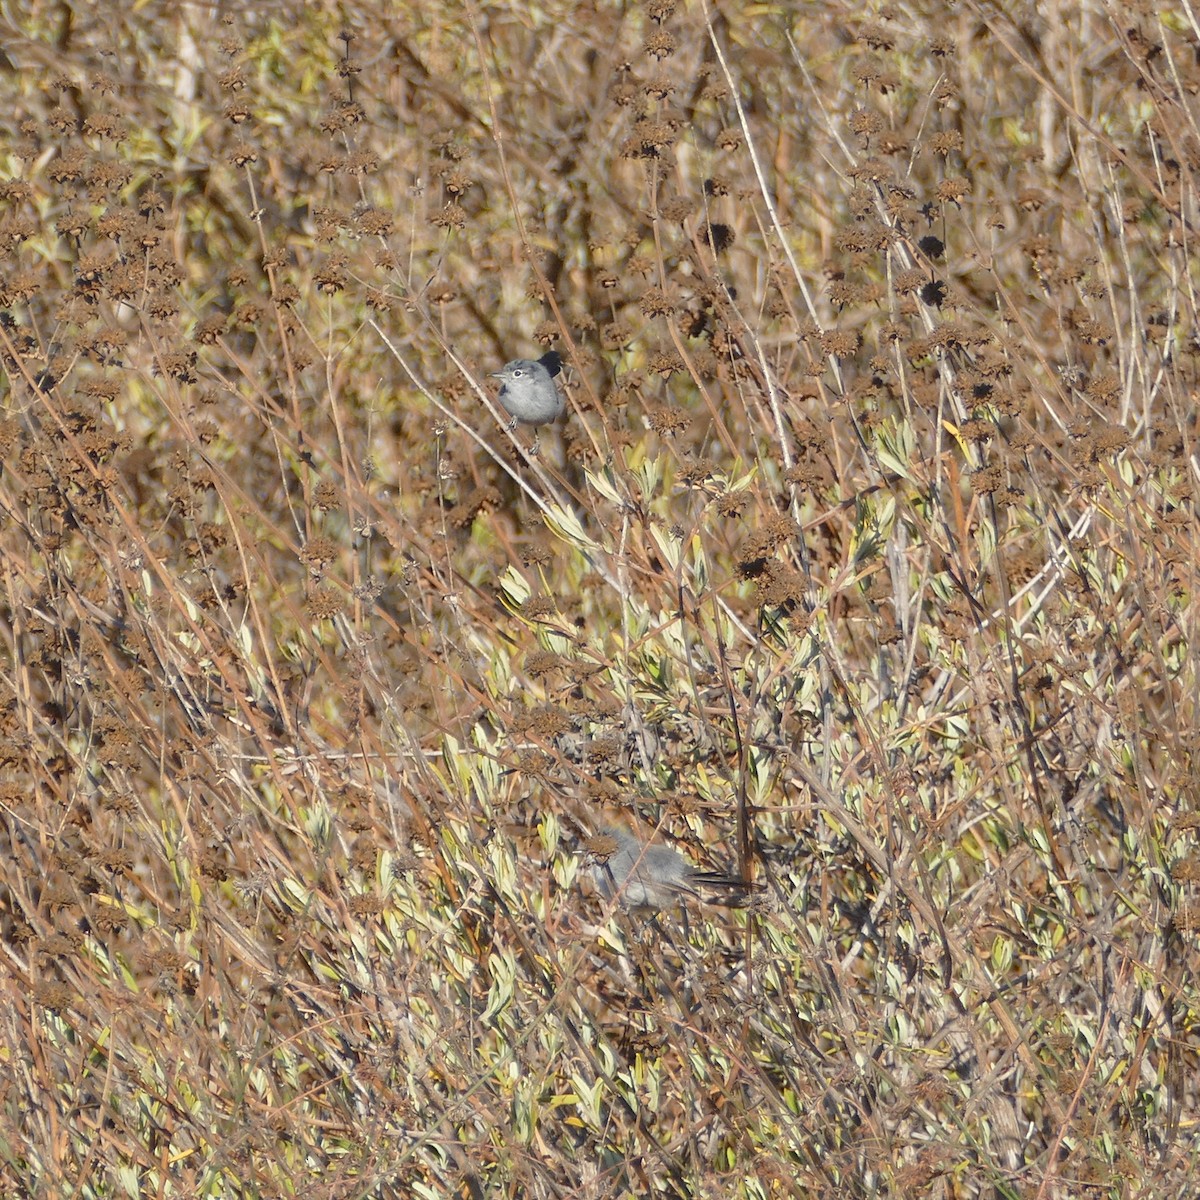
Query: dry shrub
x=864 y=562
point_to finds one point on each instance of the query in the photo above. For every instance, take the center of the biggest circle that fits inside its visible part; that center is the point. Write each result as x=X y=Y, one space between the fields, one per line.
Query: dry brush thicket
x=864 y=562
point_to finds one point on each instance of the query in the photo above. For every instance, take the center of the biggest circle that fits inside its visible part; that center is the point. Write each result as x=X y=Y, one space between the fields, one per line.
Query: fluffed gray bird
x=528 y=391
x=644 y=876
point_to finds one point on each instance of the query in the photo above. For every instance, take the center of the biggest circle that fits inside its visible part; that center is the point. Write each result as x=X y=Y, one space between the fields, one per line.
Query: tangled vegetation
x=863 y=563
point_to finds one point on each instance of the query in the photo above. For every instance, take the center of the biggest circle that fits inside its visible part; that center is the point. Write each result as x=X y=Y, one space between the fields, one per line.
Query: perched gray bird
x=652 y=877
x=528 y=391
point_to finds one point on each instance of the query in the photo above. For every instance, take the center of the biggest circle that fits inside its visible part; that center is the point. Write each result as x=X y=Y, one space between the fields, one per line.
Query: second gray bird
x=644 y=876
x=528 y=391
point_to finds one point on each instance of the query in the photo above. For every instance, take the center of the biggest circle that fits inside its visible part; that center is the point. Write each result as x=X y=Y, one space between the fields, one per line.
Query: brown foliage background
x=864 y=562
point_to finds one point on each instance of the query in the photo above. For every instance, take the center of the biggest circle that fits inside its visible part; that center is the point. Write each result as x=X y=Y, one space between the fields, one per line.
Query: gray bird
x=528 y=391
x=652 y=877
